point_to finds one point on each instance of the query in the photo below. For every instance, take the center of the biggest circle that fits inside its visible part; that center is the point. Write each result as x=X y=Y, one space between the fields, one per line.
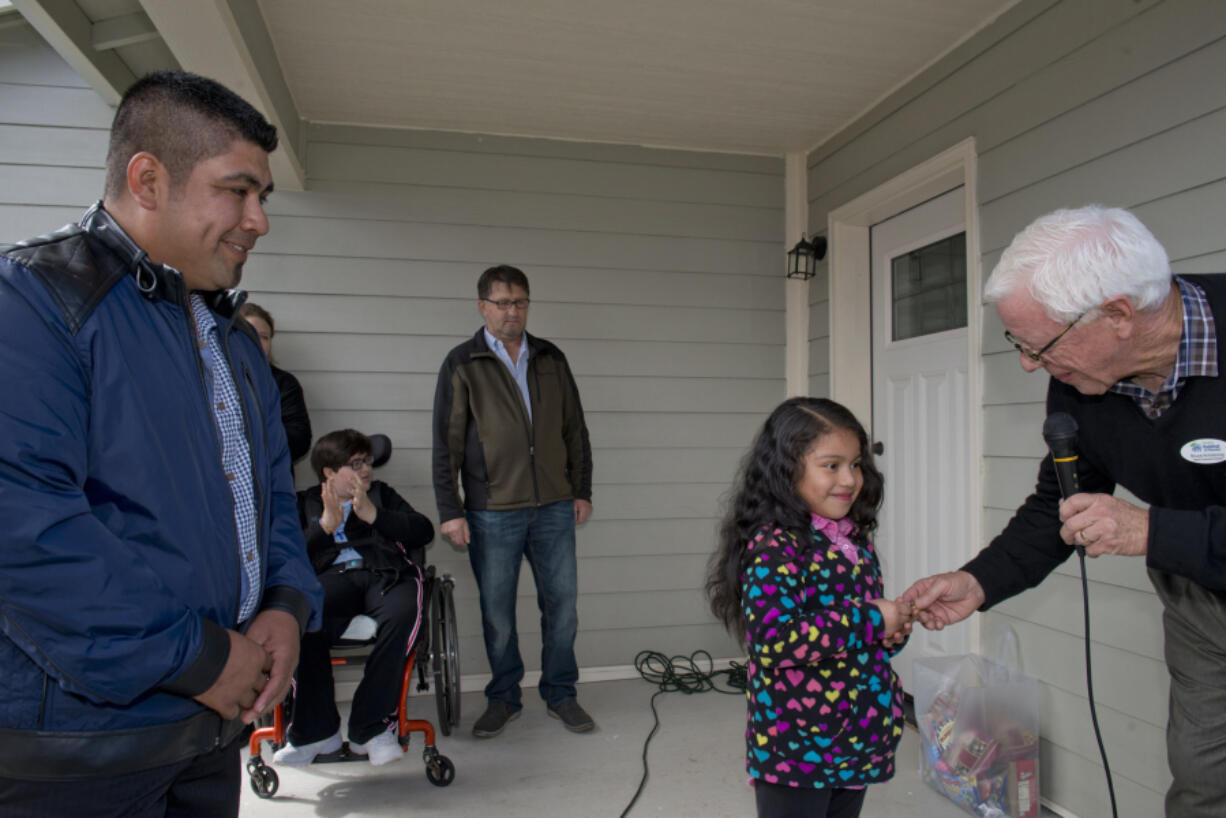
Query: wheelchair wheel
x=439 y=769
x=264 y=779
x=445 y=655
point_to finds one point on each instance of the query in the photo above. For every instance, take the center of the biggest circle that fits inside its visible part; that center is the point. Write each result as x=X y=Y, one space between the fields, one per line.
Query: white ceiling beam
x=66 y=28
x=129 y=29
x=207 y=39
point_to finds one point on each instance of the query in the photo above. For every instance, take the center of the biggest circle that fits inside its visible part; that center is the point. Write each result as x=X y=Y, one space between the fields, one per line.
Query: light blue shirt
x=339 y=536
x=518 y=369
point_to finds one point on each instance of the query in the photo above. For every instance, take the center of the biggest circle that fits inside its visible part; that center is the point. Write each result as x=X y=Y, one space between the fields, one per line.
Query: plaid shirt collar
x=1196 y=356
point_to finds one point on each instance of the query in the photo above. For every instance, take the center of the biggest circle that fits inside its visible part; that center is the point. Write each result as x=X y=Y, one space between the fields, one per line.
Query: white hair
x=1072 y=261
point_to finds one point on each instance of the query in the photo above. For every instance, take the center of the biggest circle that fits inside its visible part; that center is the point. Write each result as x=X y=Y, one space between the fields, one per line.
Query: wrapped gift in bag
x=979 y=729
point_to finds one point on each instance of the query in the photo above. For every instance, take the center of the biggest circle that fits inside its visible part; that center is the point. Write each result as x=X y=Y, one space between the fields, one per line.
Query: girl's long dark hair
x=765 y=494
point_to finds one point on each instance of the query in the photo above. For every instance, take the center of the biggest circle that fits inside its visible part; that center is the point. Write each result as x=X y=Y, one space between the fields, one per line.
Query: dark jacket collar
x=155 y=281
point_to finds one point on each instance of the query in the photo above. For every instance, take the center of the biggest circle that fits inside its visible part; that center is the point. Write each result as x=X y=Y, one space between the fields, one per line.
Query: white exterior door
x=920 y=404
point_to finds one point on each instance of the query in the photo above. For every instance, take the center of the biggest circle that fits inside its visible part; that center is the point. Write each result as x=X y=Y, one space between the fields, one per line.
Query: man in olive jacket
x=508 y=426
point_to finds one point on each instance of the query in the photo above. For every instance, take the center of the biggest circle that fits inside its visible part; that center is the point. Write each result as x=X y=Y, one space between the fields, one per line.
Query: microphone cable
x=1060 y=435
x=683 y=675
x=1102 y=750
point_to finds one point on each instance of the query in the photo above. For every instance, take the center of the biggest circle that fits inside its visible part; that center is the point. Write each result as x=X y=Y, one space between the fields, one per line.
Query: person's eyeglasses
x=1037 y=357
x=358 y=462
x=505 y=304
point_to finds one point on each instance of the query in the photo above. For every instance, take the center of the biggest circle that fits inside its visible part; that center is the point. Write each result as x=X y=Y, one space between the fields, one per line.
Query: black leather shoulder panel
x=76 y=272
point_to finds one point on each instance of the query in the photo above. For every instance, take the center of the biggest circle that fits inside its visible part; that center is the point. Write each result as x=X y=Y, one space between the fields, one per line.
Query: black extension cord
x=1102 y=751
x=681 y=674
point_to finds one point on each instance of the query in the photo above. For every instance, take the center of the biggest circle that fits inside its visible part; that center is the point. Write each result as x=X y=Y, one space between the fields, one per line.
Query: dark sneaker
x=494 y=720
x=573 y=717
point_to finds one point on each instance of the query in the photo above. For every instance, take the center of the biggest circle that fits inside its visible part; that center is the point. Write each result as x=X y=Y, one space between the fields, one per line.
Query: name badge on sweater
x=1204 y=450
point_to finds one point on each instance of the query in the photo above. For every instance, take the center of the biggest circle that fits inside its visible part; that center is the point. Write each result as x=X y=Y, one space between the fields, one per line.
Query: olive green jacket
x=483 y=435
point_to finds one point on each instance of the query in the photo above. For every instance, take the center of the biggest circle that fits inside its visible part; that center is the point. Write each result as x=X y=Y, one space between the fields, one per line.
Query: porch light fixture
x=803 y=258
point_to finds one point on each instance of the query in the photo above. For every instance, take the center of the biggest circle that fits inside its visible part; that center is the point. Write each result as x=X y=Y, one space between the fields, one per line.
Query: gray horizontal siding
x=654 y=271
x=1070 y=102
x=53 y=136
x=510 y=170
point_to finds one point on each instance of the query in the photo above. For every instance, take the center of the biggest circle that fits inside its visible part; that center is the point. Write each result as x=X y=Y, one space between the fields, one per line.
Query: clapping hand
x=362 y=506
x=332 y=516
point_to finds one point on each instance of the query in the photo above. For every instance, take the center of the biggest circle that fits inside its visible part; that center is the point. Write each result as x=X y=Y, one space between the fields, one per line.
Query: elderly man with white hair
x=1133 y=355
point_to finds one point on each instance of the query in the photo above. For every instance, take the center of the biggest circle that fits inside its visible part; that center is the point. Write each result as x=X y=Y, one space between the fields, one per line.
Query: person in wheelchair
x=367 y=545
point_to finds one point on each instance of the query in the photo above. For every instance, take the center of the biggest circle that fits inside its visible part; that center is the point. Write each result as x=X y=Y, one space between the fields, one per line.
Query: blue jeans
x=500 y=540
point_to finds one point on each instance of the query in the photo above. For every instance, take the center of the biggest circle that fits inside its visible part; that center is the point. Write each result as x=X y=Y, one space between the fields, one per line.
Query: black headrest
x=380 y=449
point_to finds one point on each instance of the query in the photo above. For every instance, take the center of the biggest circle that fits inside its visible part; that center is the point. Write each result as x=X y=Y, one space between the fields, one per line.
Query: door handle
x=878 y=448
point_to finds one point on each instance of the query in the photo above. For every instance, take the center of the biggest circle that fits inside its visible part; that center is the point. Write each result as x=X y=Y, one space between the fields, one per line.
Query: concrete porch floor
x=536 y=769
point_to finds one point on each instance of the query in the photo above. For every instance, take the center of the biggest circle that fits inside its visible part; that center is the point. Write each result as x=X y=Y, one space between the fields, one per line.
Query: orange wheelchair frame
x=437 y=643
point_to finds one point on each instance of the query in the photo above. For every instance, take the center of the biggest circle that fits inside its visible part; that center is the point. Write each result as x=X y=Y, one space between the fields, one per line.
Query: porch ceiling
x=747 y=76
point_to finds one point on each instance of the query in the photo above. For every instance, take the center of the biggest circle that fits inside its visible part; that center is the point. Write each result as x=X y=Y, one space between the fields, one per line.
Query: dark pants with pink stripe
x=396 y=609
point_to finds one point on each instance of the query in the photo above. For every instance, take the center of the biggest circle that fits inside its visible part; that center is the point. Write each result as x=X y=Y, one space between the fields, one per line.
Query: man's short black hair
x=181 y=119
x=335 y=449
x=511 y=276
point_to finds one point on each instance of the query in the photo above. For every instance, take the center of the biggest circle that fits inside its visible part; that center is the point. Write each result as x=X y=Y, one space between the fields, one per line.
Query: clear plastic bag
x=979 y=733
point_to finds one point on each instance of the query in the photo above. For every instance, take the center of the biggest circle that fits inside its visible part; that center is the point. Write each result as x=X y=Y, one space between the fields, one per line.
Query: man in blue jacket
x=154 y=584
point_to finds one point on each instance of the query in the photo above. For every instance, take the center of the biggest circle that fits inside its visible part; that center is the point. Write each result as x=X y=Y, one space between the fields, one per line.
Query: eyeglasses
x=1037 y=357
x=505 y=304
x=358 y=462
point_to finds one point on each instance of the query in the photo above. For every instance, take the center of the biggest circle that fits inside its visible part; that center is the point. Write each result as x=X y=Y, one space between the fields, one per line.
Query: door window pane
x=929 y=288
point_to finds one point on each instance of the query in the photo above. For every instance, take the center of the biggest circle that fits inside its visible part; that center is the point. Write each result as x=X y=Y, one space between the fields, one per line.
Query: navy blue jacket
x=119 y=560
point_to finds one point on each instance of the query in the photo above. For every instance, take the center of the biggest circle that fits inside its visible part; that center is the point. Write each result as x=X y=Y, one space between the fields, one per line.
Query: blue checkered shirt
x=235 y=451
x=1196 y=356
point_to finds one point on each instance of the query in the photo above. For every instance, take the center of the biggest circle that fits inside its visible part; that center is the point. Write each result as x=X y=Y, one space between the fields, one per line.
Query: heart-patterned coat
x=825 y=707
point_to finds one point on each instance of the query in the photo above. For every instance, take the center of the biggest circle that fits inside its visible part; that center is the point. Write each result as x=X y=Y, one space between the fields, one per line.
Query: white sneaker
x=298 y=756
x=382 y=749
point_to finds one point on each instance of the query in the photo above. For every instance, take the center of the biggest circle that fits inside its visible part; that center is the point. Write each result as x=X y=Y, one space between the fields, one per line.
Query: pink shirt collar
x=838 y=532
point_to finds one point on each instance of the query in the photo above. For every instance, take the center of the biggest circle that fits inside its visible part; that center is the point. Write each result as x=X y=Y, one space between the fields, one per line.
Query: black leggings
x=775 y=801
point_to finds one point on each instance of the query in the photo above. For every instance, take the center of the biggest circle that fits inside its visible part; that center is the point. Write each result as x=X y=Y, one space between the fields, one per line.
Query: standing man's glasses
x=358 y=462
x=505 y=304
x=1037 y=357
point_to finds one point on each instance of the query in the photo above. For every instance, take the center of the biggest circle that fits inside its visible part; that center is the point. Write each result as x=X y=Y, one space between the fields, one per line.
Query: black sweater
x=294 y=415
x=399 y=531
x=1118 y=444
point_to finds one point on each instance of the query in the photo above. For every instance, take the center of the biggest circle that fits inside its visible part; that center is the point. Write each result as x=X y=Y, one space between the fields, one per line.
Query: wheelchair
x=437 y=648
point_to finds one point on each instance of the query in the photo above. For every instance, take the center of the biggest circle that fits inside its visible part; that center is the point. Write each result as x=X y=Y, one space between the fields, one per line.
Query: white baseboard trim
x=1056 y=808
x=477 y=681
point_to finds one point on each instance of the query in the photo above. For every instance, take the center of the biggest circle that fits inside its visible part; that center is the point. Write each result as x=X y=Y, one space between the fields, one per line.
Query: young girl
x=798 y=578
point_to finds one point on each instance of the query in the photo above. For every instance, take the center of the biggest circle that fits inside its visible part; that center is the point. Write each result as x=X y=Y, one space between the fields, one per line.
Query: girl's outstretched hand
x=898 y=617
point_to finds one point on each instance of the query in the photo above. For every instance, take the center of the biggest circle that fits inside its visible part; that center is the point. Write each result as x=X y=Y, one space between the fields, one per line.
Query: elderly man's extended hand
x=942 y=600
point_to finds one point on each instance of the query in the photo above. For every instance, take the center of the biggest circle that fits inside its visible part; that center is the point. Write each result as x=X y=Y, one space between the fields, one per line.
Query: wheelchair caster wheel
x=440 y=771
x=264 y=780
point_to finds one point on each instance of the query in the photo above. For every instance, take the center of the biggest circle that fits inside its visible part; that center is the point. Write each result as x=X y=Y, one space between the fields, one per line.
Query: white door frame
x=851 y=356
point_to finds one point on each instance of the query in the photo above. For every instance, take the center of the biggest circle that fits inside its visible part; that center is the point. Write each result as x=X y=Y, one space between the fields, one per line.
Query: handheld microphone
x=1060 y=434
